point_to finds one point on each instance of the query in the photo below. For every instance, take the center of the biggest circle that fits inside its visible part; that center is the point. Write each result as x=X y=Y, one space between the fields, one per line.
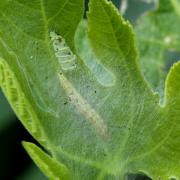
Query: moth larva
x=63 y=53
x=84 y=107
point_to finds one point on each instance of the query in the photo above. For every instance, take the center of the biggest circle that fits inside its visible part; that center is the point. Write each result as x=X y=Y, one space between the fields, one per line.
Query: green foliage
x=53 y=169
x=99 y=120
x=158 y=34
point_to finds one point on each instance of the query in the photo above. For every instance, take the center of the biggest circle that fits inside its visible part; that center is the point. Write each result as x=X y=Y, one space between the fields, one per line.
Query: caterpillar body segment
x=65 y=56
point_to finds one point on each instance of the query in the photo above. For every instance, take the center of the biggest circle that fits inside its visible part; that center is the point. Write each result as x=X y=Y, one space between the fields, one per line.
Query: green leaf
x=84 y=50
x=19 y=102
x=52 y=168
x=158 y=33
x=90 y=109
x=156 y=140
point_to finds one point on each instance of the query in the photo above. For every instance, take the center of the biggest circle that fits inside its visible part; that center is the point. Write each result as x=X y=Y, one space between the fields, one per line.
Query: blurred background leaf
x=7 y=116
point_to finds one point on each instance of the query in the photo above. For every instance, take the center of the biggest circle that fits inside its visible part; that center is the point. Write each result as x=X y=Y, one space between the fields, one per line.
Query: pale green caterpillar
x=63 y=53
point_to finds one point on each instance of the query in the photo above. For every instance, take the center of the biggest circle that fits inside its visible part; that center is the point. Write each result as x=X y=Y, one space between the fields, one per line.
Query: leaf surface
x=94 y=113
x=52 y=168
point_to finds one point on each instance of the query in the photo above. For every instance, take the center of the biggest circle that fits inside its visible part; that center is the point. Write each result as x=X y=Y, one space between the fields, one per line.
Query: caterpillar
x=84 y=108
x=63 y=53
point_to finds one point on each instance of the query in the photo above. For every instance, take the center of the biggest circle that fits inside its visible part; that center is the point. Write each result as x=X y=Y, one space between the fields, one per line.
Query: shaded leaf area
x=14 y=159
x=32 y=172
x=158 y=37
x=137 y=177
x=7 y=116
x=117 y=3
x=97 y=119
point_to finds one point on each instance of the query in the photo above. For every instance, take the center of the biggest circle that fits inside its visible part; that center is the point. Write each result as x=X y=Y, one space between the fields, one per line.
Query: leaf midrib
x=130 y=123
x=58 y=12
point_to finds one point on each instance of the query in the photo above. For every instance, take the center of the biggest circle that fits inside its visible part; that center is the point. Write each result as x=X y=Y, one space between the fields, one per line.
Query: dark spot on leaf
x=140 y=176
x=65 y=102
